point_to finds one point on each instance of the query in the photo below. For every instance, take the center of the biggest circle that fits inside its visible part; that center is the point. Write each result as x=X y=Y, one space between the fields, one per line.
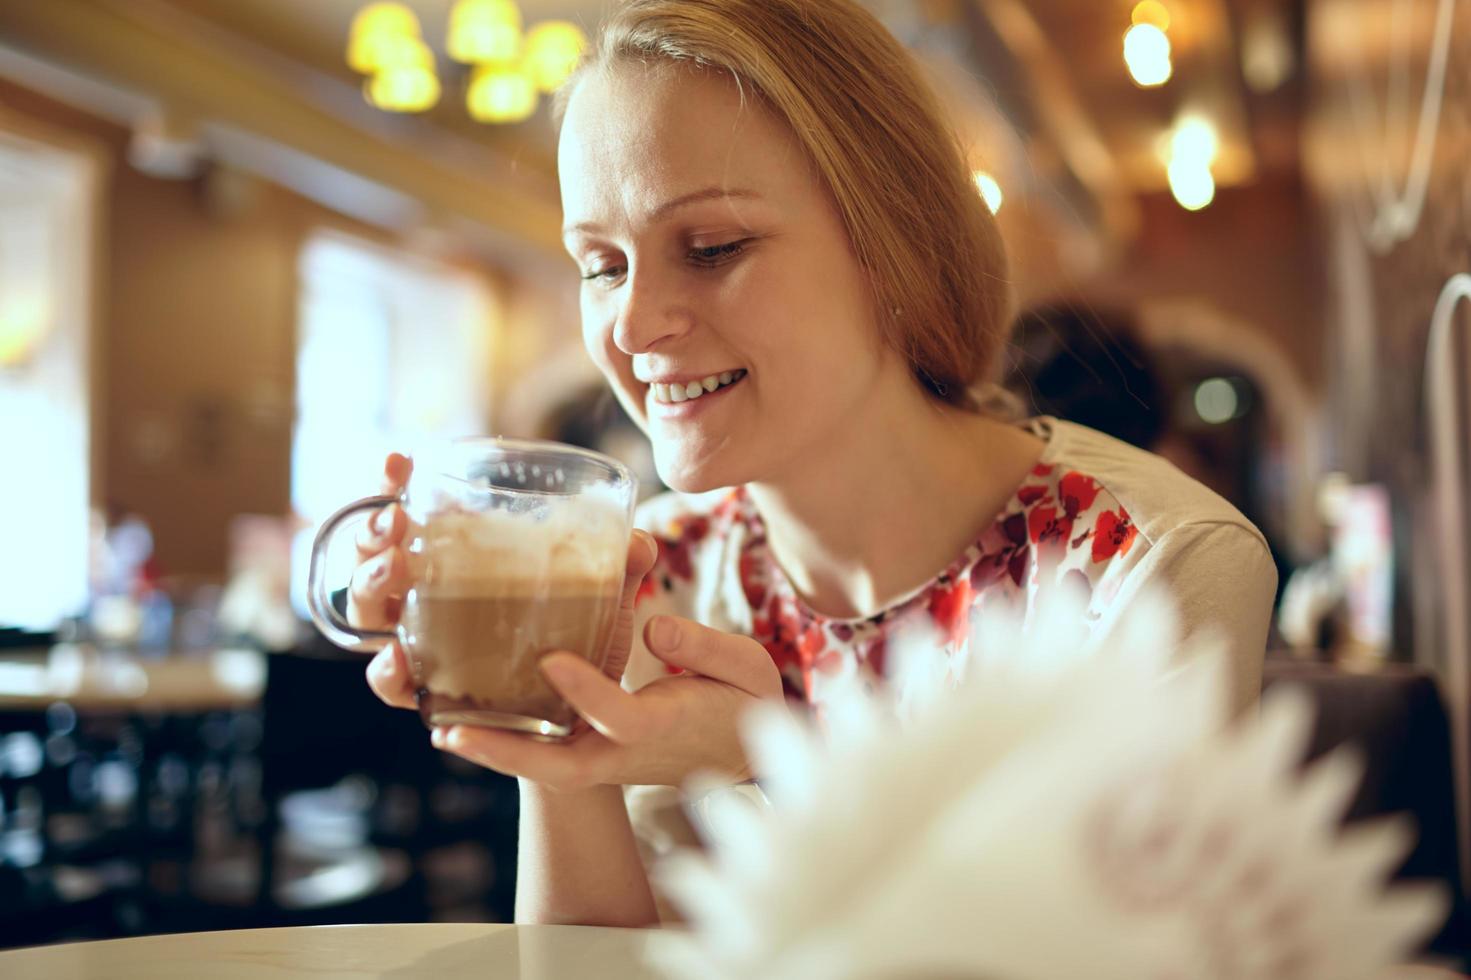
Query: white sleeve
x=1222 y=581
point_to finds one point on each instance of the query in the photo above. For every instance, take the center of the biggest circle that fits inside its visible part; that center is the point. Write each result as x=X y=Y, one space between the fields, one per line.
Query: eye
x=605 y=274
x=714 y=255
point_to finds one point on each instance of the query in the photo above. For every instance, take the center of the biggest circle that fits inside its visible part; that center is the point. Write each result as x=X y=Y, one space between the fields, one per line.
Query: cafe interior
x=242 y=258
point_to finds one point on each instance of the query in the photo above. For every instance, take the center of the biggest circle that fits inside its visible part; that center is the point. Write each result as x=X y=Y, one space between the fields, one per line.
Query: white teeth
x=690 y=390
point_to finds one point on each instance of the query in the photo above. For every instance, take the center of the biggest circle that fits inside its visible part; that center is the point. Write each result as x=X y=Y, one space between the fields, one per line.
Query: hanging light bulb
x=500 y=94
x=1147 y=54
x=376 y=31
x=407 y=82
x=484 y=31
x=553 y=49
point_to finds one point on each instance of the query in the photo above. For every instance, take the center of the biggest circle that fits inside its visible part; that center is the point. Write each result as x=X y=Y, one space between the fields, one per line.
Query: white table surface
x=392 y=952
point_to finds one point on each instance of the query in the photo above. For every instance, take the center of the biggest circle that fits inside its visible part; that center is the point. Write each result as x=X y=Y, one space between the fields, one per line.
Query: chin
x=695 y=475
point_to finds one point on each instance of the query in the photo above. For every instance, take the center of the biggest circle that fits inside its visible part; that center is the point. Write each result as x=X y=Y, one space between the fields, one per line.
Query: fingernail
x=665 y=633
x=437 y=737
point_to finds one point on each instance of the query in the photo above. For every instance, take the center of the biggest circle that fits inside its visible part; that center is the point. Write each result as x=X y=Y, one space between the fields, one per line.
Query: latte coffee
x=496 y=591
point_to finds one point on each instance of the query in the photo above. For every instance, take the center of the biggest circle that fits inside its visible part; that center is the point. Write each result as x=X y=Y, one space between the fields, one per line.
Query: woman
x=790 y=283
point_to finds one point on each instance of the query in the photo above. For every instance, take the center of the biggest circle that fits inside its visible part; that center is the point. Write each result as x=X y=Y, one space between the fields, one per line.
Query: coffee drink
x=495 y=591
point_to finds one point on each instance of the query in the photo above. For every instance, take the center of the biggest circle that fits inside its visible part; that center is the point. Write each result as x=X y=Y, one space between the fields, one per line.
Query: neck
x=883 y=508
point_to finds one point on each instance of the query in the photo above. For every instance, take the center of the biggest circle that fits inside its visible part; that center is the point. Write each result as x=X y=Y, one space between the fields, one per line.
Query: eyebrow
x=670 y=206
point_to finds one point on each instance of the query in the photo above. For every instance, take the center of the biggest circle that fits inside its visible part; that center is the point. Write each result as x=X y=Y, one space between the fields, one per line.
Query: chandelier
x=510 y=67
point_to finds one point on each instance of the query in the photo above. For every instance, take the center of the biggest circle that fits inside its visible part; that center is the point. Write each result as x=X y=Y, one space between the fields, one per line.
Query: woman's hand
x=662 y=734
x=375 y=596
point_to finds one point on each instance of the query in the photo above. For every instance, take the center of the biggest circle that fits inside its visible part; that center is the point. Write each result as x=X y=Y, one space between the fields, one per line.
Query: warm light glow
x=1147 y=54
x=484 y=31
x=501 y=95
x=1216 y=401
x=411 y=89
x=377 y=31
x=553 y=48
x=22 y=325
x=1151 y=12
x=1194 y=139
x=396 y=51
x=990 y=190
x=1191 y=183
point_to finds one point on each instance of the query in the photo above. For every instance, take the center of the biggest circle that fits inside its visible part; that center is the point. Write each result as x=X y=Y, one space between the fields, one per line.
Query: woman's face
x=713 y=258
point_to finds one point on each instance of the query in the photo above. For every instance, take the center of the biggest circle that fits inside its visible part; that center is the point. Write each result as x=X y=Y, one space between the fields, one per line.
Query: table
x=88 y=680
x=384 y=952
x=438 y=951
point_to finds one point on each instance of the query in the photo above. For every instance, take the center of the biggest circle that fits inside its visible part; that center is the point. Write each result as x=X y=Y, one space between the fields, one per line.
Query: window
x=393 y=350
x=46 y=207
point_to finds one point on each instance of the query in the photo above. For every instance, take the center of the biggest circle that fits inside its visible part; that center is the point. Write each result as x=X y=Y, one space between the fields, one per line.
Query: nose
x=651 y=313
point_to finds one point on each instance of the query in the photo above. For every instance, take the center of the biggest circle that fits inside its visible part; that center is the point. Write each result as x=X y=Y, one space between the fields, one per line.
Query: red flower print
x=1113 y=535
x=1045 y=525
x=829 y=663
x=950 y=609
x=751 y=580
x=645 y=589
x=1030 y=495
x=674 y=558
x=1042 y=469
x=811 y=648
x=1015 y=529
x=1017 y=567
x=1077 y=493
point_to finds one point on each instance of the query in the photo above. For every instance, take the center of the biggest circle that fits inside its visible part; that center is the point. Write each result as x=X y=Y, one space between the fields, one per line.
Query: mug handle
x=324 y=614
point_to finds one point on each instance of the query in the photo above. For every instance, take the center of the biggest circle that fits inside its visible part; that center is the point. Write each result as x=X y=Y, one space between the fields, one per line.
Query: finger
x=389 y=677
x=374 y=583
x=397 y=469
x=567 y=765
x=383 y=531
x=736 y=660
x=597 y=698
x=643 y=551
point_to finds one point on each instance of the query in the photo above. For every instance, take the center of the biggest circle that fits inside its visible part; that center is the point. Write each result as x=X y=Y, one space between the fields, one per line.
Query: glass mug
x=516 y=548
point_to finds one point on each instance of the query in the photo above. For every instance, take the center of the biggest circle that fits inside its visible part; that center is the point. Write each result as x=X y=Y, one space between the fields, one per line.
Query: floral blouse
x=1060 y=525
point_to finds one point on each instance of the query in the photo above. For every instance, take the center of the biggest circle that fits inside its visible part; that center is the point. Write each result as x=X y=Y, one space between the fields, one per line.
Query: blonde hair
x=875 y=132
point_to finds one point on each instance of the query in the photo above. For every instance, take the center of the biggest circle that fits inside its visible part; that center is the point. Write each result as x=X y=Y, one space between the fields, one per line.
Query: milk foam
x=577 y=545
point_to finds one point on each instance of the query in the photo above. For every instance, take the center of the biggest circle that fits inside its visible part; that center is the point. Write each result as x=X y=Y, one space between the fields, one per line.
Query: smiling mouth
x=674 y=394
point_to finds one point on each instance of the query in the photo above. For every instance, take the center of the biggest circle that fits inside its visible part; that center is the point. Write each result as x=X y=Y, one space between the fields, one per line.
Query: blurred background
x=249 y=246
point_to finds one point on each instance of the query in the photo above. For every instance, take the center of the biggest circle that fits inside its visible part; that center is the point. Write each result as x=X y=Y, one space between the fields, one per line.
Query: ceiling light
x=406 y=89
x=553 y=49
x=1147 y=55
x=1191 y=183
x=376 y=31
x=1194 y=138
x=1151 y=12
x=1216 y=401
x=484 y=31
x=500 y=95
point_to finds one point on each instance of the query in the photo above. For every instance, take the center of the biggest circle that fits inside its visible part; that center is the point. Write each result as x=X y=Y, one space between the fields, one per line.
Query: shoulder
x=1166 y=506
